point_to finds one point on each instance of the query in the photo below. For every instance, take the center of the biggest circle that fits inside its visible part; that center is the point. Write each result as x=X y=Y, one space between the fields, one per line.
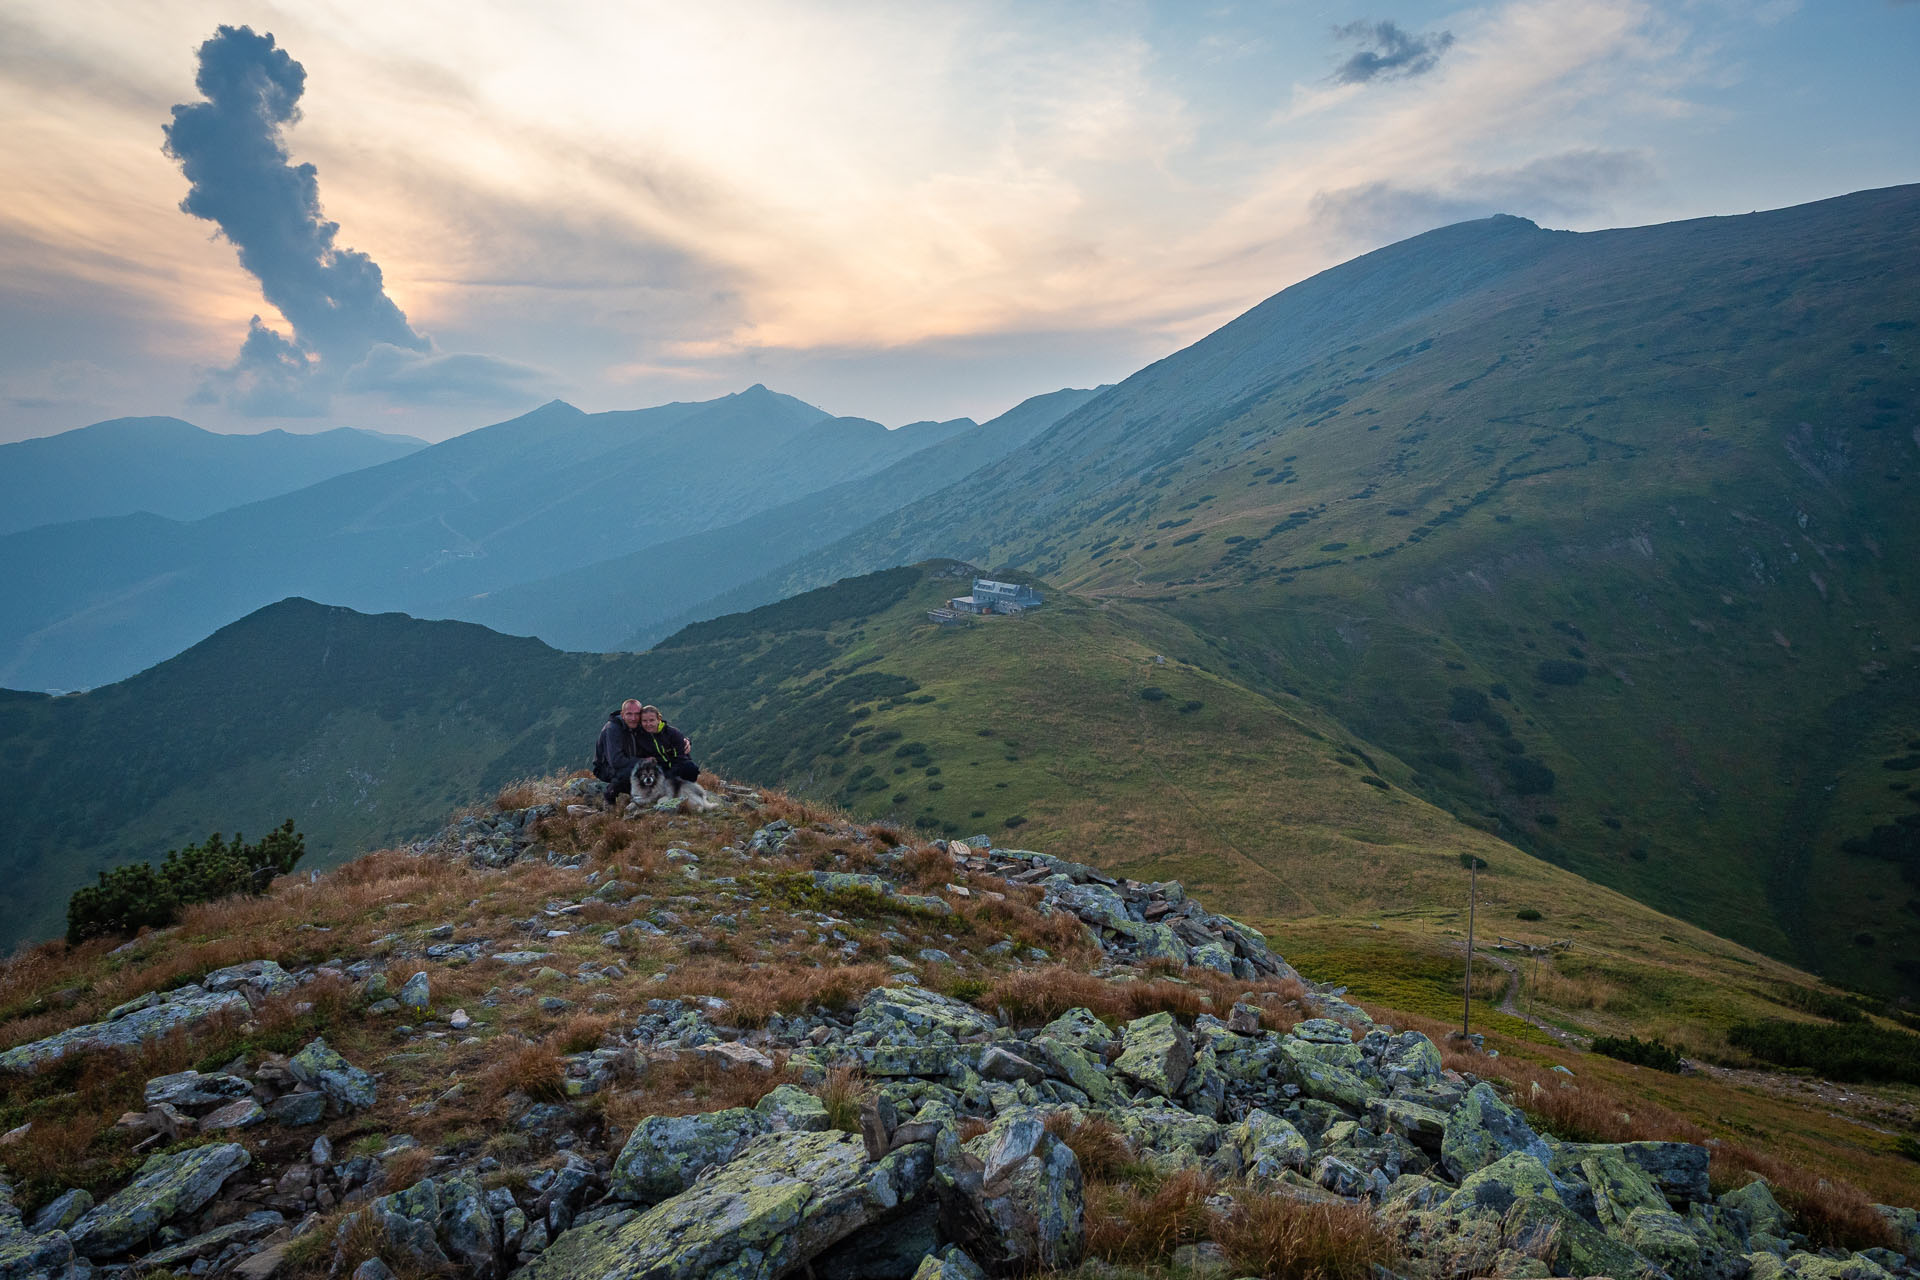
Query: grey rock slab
x=255 y=978
x=1679 y=1169
x=25 y=1256
x=345 y=1085
x=208 y=1243
x=1156 y=1054
x=61 y=1212
x=242 y=1113
x=784 y=1200
x=192 y=1091
x=295 y=1109
x=664 y=1154
x=167 y=1187
x=1483 y=1129
x=133 y=1028
x=951 y=1263
x=1014 y=1199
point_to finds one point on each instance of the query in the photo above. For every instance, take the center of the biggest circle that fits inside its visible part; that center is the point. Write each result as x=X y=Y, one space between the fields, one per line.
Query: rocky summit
x=558 y=1042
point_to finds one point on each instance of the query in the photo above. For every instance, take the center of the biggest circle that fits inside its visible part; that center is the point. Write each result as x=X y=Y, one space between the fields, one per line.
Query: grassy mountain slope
x=367 y=729
x=552 y=490
x=1644 y=497
x=172 y=468
x=625 y=602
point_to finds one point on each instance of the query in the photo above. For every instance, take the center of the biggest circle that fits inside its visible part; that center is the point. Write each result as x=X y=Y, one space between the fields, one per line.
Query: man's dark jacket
x=621 y=748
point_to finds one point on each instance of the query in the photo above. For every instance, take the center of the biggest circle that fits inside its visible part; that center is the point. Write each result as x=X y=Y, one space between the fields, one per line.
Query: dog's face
x=646 y=777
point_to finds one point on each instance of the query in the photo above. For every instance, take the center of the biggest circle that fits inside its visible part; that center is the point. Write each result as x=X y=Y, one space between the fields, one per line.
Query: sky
x=426 y=217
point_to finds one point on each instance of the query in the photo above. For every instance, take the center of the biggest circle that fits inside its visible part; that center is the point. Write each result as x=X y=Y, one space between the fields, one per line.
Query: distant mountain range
x=1607 y=539
x=172 y=468
x=441 y=529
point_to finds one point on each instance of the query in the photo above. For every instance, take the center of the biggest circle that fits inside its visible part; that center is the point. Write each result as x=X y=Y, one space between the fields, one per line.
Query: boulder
x=1422 y=1126
x=1678 y=1169
x=783 y=1201
x=949 y=1264
x=793 y=1109
x=209 y=1243
x=1483 y=1130
x=1268 y=1146
x=167 y=1187
x=256 y=980
x=1082 y=1029
x=1544 y=1228
x=25 y=1256
x=1318 y=1078
x=906 y=1014
x=1013 y=1198
x=1077 y=1065
x=1493 y=1190
x=155 y=1016
x=191 y=1091
x=296 y=1109
x=1156 y=1054
x=417 y=993
x=345 y=1085
x=664 y=1154
x=1764 y=1214
x=60 y=1213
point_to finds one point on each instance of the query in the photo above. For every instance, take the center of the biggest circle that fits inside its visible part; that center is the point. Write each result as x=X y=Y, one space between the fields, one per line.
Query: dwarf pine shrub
x=137 y=896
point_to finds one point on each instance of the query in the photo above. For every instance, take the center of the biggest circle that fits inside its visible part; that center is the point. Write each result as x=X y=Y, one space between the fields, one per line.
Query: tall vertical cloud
x=243 y=181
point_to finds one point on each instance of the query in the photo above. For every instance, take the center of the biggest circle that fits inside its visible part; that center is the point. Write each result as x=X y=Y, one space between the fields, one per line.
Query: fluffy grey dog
x=652 y=783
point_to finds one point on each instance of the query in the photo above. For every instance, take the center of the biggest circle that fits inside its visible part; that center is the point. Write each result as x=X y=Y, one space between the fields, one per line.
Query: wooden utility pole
x=1473 y=887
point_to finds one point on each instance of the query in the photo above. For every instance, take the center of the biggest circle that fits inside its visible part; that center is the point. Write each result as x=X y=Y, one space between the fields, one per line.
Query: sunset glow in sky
x=894 y=211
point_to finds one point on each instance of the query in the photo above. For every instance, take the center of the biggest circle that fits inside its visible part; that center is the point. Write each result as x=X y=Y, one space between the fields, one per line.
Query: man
x=634 y=733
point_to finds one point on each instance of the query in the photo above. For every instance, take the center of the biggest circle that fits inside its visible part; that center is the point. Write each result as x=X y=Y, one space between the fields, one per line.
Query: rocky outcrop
x=166 y=1188
x=148 y=1018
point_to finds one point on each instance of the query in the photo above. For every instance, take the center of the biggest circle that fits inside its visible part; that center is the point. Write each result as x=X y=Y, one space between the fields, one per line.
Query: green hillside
x=1092 y=730
x=1609 y=536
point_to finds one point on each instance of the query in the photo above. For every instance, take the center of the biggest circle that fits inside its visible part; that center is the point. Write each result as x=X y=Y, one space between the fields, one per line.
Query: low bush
x=1527 y=913
x=137 y=896
x=1851 y=1051
x=1642 y=1053
x=1560 y=671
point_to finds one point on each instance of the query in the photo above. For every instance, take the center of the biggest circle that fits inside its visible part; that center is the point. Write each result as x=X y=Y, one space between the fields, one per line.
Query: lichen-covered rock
x=345 y=1085
x=1906 y=1227
x=1155 y=1054
x=904 y=1014
x=951 y=1263
x=255 y=979
x=665 y=1154
x=1678 y=1169
x=1078 y=1066
x=417 y=993
x=1544 y=1228
x=1422 y=1126
x=174 y=1011
x=1483 y=1130
x=1632 y=1209
x=1808 y=1266
x=167 y=1187
x=1014 y=1200
x=1081 y=1028
x=295 y=1109
x=1515 y=1176
x=1268 y=1146
x=60 y=1213
x=191 y=1091
x=793 y=1109
x=25 y=1256
x=783 y=1201
x=1755 y=1200
x=1328 y=1082
x=1169 y=1137
x=210 y=1243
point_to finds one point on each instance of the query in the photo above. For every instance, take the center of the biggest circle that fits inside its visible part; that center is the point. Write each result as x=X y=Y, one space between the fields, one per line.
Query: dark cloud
x=1387 y=51
x=244 y=182
x=1553 y=188
x=408 y=377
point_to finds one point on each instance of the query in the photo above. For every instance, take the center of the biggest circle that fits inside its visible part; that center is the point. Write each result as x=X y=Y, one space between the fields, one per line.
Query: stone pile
x=950 y=1157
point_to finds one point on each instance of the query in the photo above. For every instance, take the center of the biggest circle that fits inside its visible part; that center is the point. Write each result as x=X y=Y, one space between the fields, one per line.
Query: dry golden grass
x=844 y=1091
x=581 y=1032
x=1569 y=991
x=1103 y=1150
x=688 y=1084
x=522 y=794
x=404 y=1168
x=927 y=868
x=364 y=1237
x=1279 y=1238
x=1830 y=1211
x=754 y=995
x=970 y=1127
x=532 y=1069
x=1127 y=1223
x=1030 y=996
